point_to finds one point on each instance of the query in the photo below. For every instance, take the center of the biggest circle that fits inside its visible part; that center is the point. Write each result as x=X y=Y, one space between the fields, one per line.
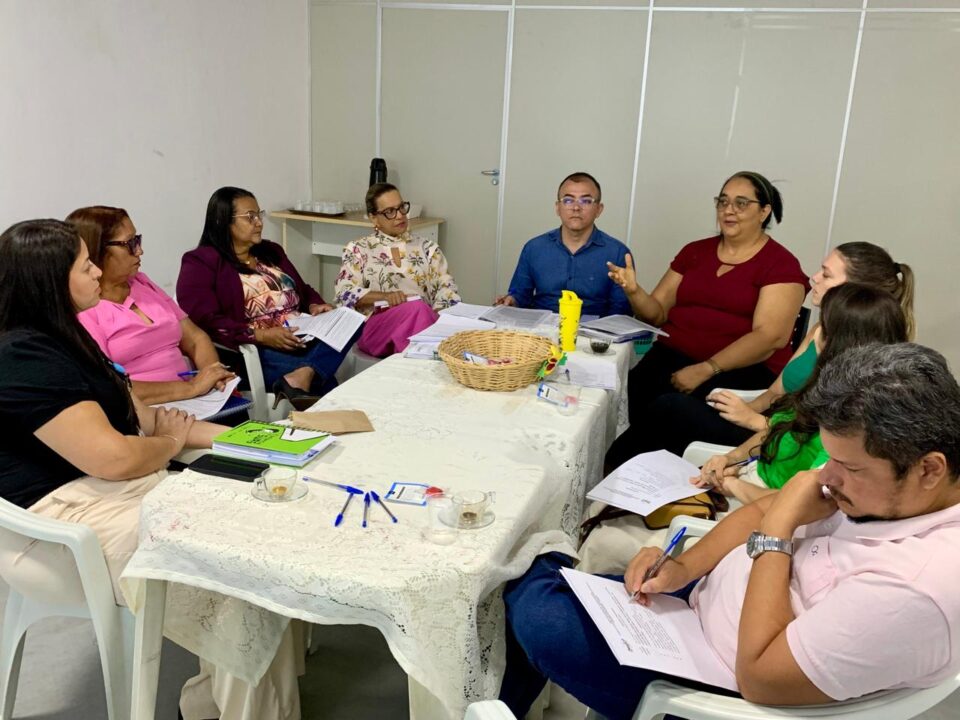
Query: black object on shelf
x=378 y=171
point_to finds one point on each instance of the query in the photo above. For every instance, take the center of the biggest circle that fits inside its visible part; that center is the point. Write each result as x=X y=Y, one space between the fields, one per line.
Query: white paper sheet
x=335 y=328
x=647 y=482
x=206 y=405
x=665 y=637
x=449 y=325
x=422 y=351
x=515 y=318
x=466 y=310
x=620 y=325
x=590 y=371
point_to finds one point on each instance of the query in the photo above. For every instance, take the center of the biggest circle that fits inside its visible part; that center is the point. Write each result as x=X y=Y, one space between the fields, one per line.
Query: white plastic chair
x=355 y=363
x=666 y=698
x=488 y=710
x=35 y=595
x=262 y=408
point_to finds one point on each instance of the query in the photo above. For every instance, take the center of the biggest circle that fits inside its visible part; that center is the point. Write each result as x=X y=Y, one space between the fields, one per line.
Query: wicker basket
x=527 y=352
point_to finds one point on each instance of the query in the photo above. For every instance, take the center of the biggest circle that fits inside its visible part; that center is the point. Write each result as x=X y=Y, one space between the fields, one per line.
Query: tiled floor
x=351 y=676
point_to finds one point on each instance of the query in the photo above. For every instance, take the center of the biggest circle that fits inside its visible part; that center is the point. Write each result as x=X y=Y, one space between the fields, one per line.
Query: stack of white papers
x=665 y=637
x=449 y=325
x=513 y=318
x=647 y=482
x=618 y=328
x=335 y=328
x=591 y=371
x=467 y=310
x=206 y=405
x=422 y=351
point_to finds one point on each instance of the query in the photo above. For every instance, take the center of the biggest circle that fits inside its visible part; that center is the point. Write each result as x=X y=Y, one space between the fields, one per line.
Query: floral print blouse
x=368 y=265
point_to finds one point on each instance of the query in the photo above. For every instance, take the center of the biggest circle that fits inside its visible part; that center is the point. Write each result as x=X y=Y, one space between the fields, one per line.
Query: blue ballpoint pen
x=655 y=568
x=343 y=510
x=366 y=508
x=348 y=488
x=376 y=499
x=187 y=373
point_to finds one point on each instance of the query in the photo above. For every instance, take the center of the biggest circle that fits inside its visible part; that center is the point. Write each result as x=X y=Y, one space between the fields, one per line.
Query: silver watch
x=758 y=543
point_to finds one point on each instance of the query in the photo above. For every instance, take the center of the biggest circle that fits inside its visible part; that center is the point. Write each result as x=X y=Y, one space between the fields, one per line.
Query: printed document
x=466 y=310
x=591 y=371
x=449 y=325
x=335 y=328
x=647 y=482
x=620 y=326
x=206 y=405
x=665 y=637
x=513 y=318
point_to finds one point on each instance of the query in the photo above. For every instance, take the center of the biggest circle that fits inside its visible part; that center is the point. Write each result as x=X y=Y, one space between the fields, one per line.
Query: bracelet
x=716 y=368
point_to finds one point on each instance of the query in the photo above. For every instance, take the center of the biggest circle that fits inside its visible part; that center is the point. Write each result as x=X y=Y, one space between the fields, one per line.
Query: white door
x=442 y=80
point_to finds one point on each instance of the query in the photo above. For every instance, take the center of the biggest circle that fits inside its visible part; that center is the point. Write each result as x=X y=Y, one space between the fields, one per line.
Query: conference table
x=222 y=573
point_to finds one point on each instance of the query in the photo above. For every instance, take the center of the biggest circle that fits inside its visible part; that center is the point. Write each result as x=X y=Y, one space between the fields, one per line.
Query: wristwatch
x=758 y=543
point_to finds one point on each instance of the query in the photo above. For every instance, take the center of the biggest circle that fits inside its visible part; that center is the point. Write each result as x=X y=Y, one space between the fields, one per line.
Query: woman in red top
x=728 y=304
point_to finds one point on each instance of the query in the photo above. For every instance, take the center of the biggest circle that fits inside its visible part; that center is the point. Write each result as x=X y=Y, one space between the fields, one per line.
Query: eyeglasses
x=132 y=245
x=252 y=215
x=391 y=213
x=568 y=201
x=740 y=203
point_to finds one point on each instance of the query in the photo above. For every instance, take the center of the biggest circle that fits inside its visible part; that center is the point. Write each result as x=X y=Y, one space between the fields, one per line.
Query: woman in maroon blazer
x=241 y=288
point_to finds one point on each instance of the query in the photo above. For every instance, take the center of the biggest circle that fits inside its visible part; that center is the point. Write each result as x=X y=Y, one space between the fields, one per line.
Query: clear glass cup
x=278 y=482
x=440 y=527
x=470 y=508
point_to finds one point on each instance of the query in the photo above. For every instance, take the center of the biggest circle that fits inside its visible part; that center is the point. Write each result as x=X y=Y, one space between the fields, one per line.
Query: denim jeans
x=321 y=357
x=551 y=637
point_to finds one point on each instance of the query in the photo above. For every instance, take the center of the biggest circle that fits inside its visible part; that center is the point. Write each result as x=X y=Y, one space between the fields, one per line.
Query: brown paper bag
x=338 y=422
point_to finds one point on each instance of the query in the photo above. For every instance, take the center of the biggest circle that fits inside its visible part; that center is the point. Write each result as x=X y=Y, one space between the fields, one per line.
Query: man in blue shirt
x=572 y=257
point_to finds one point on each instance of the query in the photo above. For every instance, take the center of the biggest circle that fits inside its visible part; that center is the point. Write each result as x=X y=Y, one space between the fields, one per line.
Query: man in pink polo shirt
x=805 y=598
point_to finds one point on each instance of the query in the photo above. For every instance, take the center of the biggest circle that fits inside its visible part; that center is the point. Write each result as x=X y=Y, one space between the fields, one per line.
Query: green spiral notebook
x=273 y=443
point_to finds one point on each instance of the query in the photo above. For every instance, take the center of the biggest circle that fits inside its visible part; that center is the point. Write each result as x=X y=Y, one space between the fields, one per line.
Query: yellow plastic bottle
x=570 y=306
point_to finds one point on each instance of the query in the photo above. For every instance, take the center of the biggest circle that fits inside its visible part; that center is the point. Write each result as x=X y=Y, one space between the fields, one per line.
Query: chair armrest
x=697 y=453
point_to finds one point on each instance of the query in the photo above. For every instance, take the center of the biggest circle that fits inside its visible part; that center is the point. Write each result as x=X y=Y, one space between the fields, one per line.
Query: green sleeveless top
x=791 y=457
x=798 y=370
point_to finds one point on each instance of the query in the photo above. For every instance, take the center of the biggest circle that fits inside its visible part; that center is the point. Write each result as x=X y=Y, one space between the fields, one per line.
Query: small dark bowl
x=599 y=346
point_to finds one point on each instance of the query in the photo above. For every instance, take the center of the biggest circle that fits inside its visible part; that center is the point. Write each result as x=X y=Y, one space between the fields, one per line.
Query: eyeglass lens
x=391 y=213
x=569 y=201
x=739 y=202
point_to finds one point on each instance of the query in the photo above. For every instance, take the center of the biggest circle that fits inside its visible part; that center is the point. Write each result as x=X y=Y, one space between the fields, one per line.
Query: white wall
x=151 y=106
x=847 y=109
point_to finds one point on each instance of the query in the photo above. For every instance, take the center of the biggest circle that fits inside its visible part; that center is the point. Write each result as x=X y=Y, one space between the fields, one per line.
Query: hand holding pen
x=650 y=570
x=717 y=468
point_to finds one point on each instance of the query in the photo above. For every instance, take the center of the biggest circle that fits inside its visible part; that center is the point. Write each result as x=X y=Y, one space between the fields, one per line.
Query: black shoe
x=300 y=399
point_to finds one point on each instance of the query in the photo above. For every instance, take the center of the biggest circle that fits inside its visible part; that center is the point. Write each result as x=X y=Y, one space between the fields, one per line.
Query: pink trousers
x=388 y=331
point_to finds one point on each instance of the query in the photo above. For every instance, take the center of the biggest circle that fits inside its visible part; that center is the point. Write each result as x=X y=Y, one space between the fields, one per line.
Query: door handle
x=491 y=173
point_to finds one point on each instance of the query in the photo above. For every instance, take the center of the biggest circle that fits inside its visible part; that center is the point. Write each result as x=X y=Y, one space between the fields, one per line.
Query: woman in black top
x=69 y=423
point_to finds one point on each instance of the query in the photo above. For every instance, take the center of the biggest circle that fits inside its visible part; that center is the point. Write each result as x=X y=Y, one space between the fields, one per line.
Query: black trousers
x=663 y=419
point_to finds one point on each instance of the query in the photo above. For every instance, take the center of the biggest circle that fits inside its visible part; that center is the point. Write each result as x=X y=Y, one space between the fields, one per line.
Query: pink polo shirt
x=876 y=603
x=147 y=351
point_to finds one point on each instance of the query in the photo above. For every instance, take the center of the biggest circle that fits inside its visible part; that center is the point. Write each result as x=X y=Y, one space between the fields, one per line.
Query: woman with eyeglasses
x=396 y=279
x=241 y=288
x=76 y=445
x=138 y=325
x=728 y=304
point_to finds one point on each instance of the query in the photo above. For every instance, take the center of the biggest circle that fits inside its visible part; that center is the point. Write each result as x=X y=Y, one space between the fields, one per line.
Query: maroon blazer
x=210 y=292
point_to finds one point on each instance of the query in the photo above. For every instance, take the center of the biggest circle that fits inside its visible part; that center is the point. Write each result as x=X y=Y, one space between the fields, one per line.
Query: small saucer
x=298 y=492
x=485 y=521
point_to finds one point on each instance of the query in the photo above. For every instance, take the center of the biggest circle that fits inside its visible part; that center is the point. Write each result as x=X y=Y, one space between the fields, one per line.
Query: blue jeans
x=317 y=355
x=550 y=636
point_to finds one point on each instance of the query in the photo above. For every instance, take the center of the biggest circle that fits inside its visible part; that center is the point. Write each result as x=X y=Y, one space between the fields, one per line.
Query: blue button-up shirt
x=546 y=267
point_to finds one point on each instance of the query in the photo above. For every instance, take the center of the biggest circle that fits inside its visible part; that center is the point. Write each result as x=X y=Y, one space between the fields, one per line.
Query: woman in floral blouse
x=382 y=273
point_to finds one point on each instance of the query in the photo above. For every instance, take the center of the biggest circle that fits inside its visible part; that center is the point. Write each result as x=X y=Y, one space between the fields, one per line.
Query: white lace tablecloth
x=238 y=569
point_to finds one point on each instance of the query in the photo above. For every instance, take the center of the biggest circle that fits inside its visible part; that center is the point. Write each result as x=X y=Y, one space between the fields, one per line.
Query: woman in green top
x=852 y=315
x=855 y=262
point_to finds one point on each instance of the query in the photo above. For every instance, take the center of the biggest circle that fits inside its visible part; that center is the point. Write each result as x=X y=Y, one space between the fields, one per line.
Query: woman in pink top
x=136 y=324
